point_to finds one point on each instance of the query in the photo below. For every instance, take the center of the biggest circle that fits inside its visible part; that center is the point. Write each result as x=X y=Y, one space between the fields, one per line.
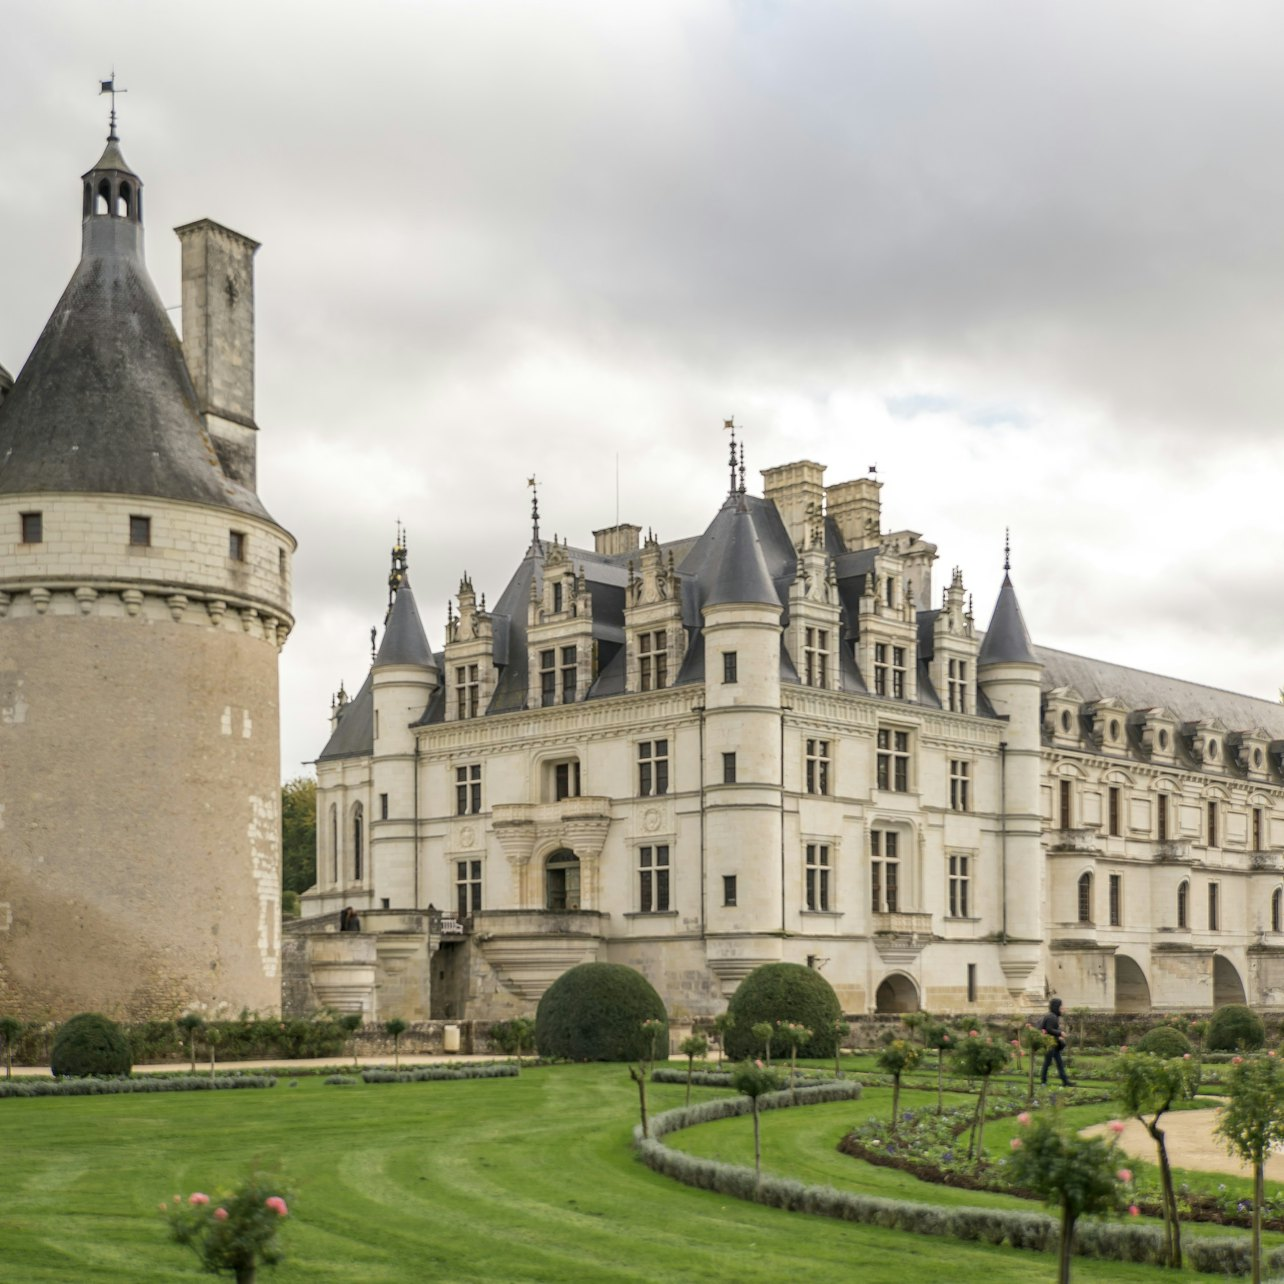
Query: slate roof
x=404 y=639
x=737 y=561
x=354 y=736
x=1007 y=640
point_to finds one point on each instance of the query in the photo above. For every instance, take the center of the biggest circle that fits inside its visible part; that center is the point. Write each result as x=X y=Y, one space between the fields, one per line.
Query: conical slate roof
x=404 y=639
x=741 y=573
x=1007 y=640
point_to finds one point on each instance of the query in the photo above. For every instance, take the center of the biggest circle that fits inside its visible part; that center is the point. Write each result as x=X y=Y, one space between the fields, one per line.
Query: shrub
x=784 y=992
x=595 y=1012
x=234 y=1231
x=90 y=1044
x=1235 y=1028
x=1164 y=1041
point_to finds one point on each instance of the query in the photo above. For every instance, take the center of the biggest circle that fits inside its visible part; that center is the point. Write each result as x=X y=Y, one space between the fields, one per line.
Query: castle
x=144 y=597
x=780 y=740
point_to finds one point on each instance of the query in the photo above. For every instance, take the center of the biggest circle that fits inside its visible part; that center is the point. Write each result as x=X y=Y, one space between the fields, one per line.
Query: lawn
x=496 y=1180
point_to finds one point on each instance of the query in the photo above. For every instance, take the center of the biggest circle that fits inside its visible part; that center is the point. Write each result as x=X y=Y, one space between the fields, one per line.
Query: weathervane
x=730 y=426
x=1007 y=548
x=109 y=87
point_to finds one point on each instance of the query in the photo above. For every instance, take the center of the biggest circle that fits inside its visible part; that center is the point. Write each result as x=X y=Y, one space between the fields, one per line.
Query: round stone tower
x=144 y=597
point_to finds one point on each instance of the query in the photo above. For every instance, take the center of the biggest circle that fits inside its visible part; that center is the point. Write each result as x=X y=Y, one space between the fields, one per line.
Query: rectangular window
x=1161 y=817
x=547 y=678
x=817 y=767
x=971 y=982
x=653 y=880
x=280 y=562
x=468 y=887
x=893 y=760
x=1212 y=824
x=1259 y=830
x=33 y=528
x=557 y=597
x=880 y=668
x=817 y=875
x=569 y=671
x=816 y=657
x=566 y=780
x=236 y=541
x=728 y=769
x=653 y=661
x=1183 y=905
x=1085 y=898
x=383 y=806
x=1116 y=898
x=468 y=790
x=729 y=890
x=1213 y=916
x=960 y=785
x=653 y=768
x=957 y=686
x=1066 y=806
x=960 y=886
x=467 y=691
x=140 y=531
x=884 y=878
x=898 y=673
x=1113 y=810
x=729 y=666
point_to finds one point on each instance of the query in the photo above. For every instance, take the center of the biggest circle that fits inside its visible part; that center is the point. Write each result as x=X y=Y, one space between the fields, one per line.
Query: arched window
x=1183 y=904
x=1085 y=898
x=103 y=204
x=1277 y=909
x=562 y=880
x=122 y=201
x=334 y=844
x=358 y=826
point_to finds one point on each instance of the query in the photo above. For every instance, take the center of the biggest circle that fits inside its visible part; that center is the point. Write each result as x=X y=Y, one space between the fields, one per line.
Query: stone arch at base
x=1132 y=990
x=1227 y=985
x=896 y=993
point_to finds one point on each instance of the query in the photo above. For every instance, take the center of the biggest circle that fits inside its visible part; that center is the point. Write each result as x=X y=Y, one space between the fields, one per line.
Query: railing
x=1075 y=840
x=1173 y=849
x=903 y=924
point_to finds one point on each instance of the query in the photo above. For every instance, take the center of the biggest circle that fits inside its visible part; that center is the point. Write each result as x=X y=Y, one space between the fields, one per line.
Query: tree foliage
x=594 y=1012
x=298 y=834
x=778 y=992
x=1235 y=1028
x=90 y=1044
x=1164 y=1041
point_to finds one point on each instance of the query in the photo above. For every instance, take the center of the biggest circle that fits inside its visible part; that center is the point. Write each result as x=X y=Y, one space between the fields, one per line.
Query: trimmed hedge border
x=1038 y=1232
x=111 y=1087
x=432 y=1073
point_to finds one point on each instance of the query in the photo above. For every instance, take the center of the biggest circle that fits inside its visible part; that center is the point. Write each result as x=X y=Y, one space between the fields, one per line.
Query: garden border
x=113 y=1087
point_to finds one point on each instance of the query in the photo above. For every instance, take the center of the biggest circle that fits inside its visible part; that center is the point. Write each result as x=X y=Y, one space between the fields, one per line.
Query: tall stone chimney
x=218 y=339
x=798 y=492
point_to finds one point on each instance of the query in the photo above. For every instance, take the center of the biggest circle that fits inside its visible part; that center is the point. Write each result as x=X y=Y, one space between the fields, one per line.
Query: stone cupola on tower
x=144 y=596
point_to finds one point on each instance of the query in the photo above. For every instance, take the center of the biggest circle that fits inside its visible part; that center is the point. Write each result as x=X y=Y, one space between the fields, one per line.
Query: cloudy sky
x=1027 y=258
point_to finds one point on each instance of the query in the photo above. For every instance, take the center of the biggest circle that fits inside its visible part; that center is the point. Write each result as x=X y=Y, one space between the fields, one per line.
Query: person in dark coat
x=348 y=920
x=1051 y=1025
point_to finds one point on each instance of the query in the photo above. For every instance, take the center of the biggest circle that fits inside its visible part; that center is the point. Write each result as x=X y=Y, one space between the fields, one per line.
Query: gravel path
x=1191 y=1144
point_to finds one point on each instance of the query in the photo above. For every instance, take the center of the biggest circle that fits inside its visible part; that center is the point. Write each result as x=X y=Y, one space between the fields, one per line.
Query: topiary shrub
x=1235 y=1028
x=595 y=1012
x=90 y=1044
x=1164 y=1041
x=784 y=992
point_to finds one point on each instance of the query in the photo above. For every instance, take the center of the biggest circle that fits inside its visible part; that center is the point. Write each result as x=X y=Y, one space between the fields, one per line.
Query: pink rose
x=971 y=1034
x=1237 y=1061
x=1016 y=1043
x=1115 y=1126
x=1124 y=1174
x=220 y=1214
x=277 y=1205
x=1185 y=1056
x=945 y=1038
x=758 y=1064
x=1123 y=1047
x=1024 y=1119
x=1134 y=1210
x=1270 y=1054
x=1015 y=1143
x=197 y=1198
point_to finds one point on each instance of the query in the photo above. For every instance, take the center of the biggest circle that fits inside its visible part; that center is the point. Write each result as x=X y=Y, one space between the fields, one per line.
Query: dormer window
x=957 y=686
x=557 y=597
x=653 y=661
x=816 y=657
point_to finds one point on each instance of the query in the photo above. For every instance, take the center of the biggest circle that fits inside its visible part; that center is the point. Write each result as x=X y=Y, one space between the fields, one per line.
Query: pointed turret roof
x=105 y=404
x=1007 y=641
x=740 y=573
x=404 y=639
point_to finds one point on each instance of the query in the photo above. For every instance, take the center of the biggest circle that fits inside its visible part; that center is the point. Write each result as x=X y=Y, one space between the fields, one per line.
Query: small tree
x=978 y=1057
x=1076 y=1173
x=640 y=1073
x=1036 y=1043
x=237 y=1232
x=792 y=1035
x=694 y=1045
x=762 y=1031
x=213 y=1037
x=395 y=1028
x=523 y=1035
x=350 y=1023
x=10 y=1031
x=191 y=1025
x=722 y=1023
x=843 y=1030
x=752 y=1079
x=938 y=1037
x=1252 y=1125
x=1147 y=1084
x=898 y=1056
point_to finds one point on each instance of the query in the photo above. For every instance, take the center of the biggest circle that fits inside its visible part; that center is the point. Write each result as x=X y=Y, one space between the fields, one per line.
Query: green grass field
x=508 y=1179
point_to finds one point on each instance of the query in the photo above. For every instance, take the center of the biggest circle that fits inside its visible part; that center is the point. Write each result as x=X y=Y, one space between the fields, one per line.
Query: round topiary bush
x=595 y=1012
x=90 y=1044
x=1235 y=1028
x=1164 y=1041
x=784 y=992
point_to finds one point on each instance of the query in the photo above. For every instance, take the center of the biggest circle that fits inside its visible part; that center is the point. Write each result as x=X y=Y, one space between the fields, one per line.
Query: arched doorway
x=562 y=880
x=897 y=993
x=1132 y=991
x=1227 y=987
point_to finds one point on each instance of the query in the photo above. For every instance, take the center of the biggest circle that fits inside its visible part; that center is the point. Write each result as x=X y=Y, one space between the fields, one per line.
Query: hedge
x=594 y=1012
x=110 y=1087
x=425 y=1074
x=90 y=1044
x=778 y=992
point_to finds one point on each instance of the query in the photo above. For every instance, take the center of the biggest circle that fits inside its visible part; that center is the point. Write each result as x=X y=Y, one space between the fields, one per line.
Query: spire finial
x=1007 y=549
x=373 y=634
x=730 y=426
x=534 y=485
x=109 y=87
x=742 y=468
x=397 y=575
